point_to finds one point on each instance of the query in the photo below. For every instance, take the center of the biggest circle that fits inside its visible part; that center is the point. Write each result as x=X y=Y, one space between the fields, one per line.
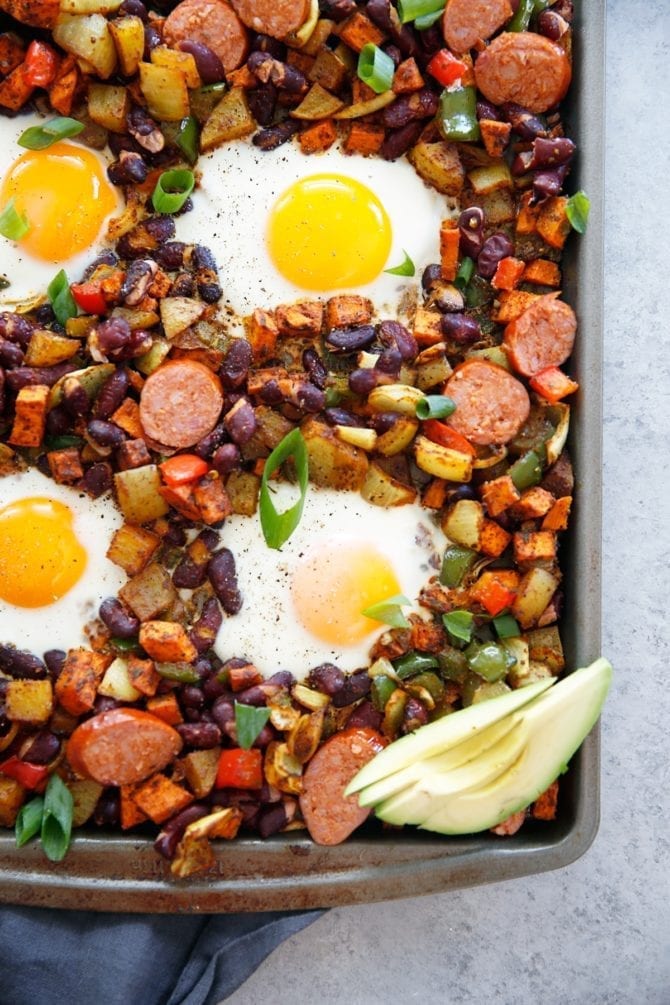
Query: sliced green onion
x=410 y=10
x=249 y=722
x=62 y=301
x=187 y=139
x=428 y=20
x=466 y=271
x=459 y=625
x=506 y=626
x=577 y=211
x=389 y=611
x=56 y=819
x=278 y=527
x=406 y=267
x=13 y=225
x=375 y=68
x=455 y=563
x=172 y=190
x=413 y=663
x=41 y=137
x=29 y=821
x=435 y=406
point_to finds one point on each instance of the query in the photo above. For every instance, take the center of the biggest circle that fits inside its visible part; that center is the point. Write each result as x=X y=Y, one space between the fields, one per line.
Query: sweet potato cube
x=543 y=272
x=212 y=499
x=131 y=548
x=317 y=137
x=498 y=494
x=364 y=138
x=167 y=642
x=495 y=136
x=526 y=221
x=358 y=30
x=557 y=517
x=449 y=242
x=407 y=77
x=65 y=465
x=85 y=794
x=534 y=546
x=133 y=454
x=29 y=701
x=160 y=798
x=493 y=539
x=30 y=416
x=262 y=333
x=426 y=327
x=143 y=675
x=305 y=317
x=127 y=416
x=166 y=707
x=534 y=503
x=553 y=225
x=199 y=769
x=15 y=89
x=511 y=304
x=131 y=814
x=348 y=310
x=545 y=806
x=12 y=797
x=77 y=685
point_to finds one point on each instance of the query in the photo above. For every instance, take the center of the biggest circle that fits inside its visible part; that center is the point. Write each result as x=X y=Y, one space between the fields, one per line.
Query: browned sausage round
x=278 y=18
x=331 y=818
x=525 y=68
x=542 y=336
x=491 y=404
x=122 y=746
x=180 y=403
x=215 y=24
x=467 y=22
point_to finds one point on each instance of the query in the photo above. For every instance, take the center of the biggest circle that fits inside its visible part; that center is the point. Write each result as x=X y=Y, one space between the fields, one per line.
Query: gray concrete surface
x=598 y=931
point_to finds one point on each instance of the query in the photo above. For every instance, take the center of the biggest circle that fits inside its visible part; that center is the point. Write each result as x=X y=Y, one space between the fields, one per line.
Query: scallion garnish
x=278 y=527
x=29 y=821
x=410 y=10
x=187 y=138
x=577 y=211
x=13 y=225
x=41 y=137
x=459 y=625
x=466 y=271
x=428 y=20
x=435 y=406
x=56 y=819
x=249 y=722
x=406 y=267
x=60 y=296
x=389 y=611
x=506 y=626
x=375 y=68
x=172 y=190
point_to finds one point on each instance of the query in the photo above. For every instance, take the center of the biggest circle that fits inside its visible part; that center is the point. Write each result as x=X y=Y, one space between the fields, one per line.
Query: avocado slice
x=443 y=734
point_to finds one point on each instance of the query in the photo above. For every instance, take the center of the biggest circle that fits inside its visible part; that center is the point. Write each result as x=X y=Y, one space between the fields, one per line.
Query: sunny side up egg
x=53 y=569
x=302 y=605
x=282 y=225
x=67 y=200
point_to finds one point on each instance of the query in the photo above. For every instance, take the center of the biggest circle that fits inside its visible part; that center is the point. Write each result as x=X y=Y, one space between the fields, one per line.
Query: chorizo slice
x=542 y=336
x=491 y=404
x=213 y=23
x=330 y=817
x=467 y=22
x=122 y=746
x=180 y=403
x=525 y=68
x=278 y=18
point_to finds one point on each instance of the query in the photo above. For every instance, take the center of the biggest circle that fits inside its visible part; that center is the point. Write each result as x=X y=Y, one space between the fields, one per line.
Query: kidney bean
x=111 y=394
x=471 y=230
x=191 y=696
x=254 y=695
x=188 y=574
x=208 y=286
x=315 y=367
x=341 y=417
x=223 y=711
x=208 y=63
x=392 y=333
x=226 y=458
x=204 y=631
x=105 y=434
x=108 y=808
x=152 y=38
x=118 y=619
x=485 y=110
x=97 y=479
x=265 y=43
x=274 y=136
x=271 y=819
x=415 y=715
x=385 y=17
x=25 y=376
x=349 y=340
x=43 y=748
x=129 y=169
x=223 y=577
x=565 y=8
x=75 y=399
x=365 y=716
x=327 y=678
x=59 y=421
x=393 y=52
x=550 y=182
x=364 y=380
x=526 y=125
x=207 y=445
x=201 y=735
x=265 y=737
x=11 y=354
x=240 y=422
x=431 y=275
x=356 y=685
x=495 y=248
x=113 y=336
x=309 y=398
x=170 y=256
x=54 y=659
x=16 y=328
x=431 y=40
x=21 y=664
x=552 y=25
x=338 y=10
x=235 y=366
x=134 y=7
x=460 y=328
x=173 y=831
x=381 y=422
x=412 y=107
x=398 y=141
x=550 y=153
x=146 y=236
x=389 y=361
x=138 y=278
x=262 y=101
x=183 y=285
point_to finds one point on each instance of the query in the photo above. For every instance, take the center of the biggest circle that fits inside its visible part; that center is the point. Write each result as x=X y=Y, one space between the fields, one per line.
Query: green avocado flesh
x=476 y=783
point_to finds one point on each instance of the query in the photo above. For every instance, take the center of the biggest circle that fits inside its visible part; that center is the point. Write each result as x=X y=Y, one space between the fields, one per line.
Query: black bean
x=170 y=256
x=21 y=664
x=471 y=231
x=111 y=394
x=97 y=479
x=327 y=678
x=173 y=831
x=356 y=686
x=44 y=315
x=54 y=659
x=226 y=458
x=392 y=333
x=11 y=354
x=201 y=735
x=223 y=577
x=460 y=328
x=108 y=808
x=43 y=748
x=208 y=63
x=350 y=340
x=524 y=123
x=408 y=108
x=365 y=716
x=381 y=422
x=271 y=820
x=414 y=715
x=485 y=110
x=398 y=141
x=118 y=619
x=223 y=711
x=262 y=101
x=191 y=696
x=341 y=417
x=495 y=248
x=315 y=367
x=105 y=434
x=16 y=328
x=25 y=376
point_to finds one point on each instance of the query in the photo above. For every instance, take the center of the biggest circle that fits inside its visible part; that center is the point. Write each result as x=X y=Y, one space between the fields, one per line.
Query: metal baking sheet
x=123 y=873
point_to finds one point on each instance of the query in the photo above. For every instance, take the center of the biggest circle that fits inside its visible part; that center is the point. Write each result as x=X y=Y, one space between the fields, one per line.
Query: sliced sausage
x=467 y=22
x=122 y=746
x=213 y=23
x=525 y=68
x=180 y=403
x=542 y=336
x=330 y=817
x=491 y=404
x=278 y=18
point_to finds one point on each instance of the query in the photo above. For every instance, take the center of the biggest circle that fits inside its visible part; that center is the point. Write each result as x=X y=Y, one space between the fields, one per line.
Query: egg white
x=266 y=631
x=28 y=276
x=61 y=625
x=238 y=188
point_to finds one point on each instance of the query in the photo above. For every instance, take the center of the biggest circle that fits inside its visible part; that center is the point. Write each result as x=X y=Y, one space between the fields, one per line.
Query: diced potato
x=131 y=548
x=517 y=675
x=199 y=769
x=29 y=701
x=545 y=646
x=463 y=523
x=128 y=35
x=535 y=591
x=332 y=463
x=432 y=367
x=318 y=103
x=108 y=105
x=85 y=795
x=398 y=437
x=498 y=207
x=150 y=593
x=439 y=164
x=488 y=179
x=89 y=6
x=230 y=120
x=88 y=38
x=165 y=92
x=401 y=398
x=116 y=682
x=179 y=313
x=48 y=349
x=137 y=494
x=442 y=462
x=12 y=795
x=177 y=60
x=381 y=489
x=243 y=488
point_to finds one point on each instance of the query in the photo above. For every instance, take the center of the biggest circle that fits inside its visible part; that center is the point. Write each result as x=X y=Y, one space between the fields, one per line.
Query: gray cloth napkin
x=77 y=957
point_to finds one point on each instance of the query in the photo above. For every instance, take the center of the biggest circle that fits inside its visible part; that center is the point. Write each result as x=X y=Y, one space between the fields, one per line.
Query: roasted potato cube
x=165 y=91
x=108 y=105
x=230 y=120
x=381 y=489
x=137 y=493
x=117 y=683
x=243 y=488
x=495 y=176
x=179 y=313
x=332 y=463
x=432 y=366
x=48 y=349
x=177 y=60
x=29 y=701
x=85 y=795
x=318 y=103
x=88 y=38
x=439 y=164
x=463 y=523
x=535 y=591
x=128 y=35
x=150 y=593
x=199 y=769
x=12 y=795
x=131 y=548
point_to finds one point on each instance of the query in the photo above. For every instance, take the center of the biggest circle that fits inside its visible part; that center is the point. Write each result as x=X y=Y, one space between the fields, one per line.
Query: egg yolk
x=330 y=589
x=327 y=232
x=40 y=557
x=65 y=197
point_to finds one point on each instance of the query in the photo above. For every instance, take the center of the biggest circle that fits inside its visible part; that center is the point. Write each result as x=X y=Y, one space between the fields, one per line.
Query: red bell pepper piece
x=493 y=595
x=446 y=68
x=440 y=432
x=41 y=64
x=553 y=384
x=182 y=469
x=31 y=776
x=240 y=769
x=89 y=297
